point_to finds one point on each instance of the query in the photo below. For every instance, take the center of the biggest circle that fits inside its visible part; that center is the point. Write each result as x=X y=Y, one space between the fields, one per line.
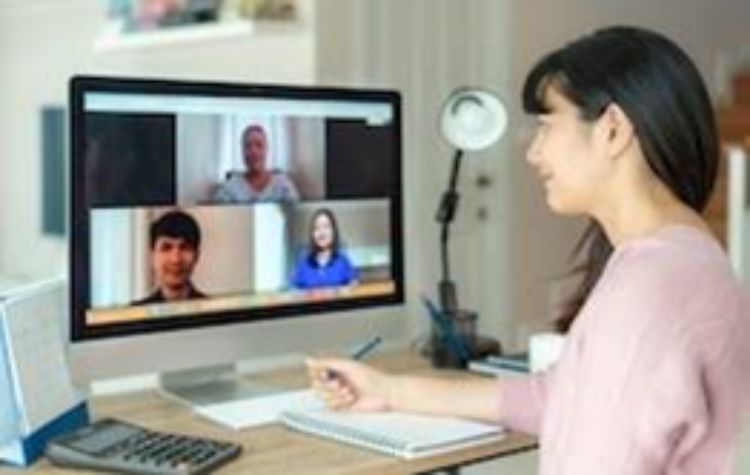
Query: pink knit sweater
x=655 y=372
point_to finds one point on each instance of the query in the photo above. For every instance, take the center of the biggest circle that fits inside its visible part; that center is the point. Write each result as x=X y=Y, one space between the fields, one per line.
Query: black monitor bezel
x=79 y=270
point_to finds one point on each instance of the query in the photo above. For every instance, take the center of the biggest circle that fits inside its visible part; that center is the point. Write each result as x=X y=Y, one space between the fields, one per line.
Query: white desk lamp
x=472 y=119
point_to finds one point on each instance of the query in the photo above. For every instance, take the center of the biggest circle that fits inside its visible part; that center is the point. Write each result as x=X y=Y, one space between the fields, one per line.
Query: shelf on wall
x=114 y=36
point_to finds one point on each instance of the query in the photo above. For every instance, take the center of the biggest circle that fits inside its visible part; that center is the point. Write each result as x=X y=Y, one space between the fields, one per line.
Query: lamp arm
x=445 y=215
x=455 y=169
x=449 y=202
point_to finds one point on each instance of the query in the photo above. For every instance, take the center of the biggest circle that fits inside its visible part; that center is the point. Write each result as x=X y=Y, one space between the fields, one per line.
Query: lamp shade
x=473 y=119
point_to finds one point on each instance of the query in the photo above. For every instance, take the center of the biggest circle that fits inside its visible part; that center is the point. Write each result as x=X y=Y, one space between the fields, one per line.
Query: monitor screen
x=200 y=204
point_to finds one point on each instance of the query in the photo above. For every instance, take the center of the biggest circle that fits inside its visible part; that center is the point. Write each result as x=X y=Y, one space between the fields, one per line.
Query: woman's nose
x=532 y=154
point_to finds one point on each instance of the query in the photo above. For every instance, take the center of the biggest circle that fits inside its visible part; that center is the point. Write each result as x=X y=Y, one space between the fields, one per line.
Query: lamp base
x=443 y=355
x=447 y=296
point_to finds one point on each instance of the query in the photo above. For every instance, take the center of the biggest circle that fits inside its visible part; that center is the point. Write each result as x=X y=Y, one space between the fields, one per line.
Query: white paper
x=8 y=415
x=32 y=324
x=260 y=410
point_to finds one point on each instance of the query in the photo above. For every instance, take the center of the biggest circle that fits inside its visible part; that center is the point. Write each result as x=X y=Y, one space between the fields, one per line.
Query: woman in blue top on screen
x=323 y=264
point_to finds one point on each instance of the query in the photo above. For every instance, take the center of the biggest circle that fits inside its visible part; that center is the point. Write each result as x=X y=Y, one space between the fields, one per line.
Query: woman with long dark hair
x=655 y=372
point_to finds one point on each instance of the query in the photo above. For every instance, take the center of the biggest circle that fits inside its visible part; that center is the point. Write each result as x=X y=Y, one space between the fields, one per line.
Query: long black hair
x=661 y=91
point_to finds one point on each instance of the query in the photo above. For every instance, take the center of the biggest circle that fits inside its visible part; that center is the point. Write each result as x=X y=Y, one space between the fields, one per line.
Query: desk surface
x=272 y=449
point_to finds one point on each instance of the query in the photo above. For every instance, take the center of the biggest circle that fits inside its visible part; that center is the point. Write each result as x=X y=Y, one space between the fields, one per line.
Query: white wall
x=199 y=156
x=44 y=42
x=420 y=48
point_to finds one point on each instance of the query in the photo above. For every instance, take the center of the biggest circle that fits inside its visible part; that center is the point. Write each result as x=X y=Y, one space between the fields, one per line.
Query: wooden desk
x=272 y=449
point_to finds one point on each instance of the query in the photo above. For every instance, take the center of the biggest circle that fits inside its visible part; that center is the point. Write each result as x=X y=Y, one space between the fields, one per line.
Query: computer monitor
x=213 y=222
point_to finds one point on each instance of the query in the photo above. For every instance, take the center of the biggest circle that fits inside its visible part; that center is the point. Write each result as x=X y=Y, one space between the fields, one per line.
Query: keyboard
x=259 y=410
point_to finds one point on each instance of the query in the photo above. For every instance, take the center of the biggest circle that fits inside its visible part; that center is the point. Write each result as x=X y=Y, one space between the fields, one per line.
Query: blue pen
x=456 y=344
x=365 y=348
x=360 y=352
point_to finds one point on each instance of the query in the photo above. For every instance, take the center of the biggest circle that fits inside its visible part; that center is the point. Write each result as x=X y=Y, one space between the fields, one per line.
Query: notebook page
x=396 y=433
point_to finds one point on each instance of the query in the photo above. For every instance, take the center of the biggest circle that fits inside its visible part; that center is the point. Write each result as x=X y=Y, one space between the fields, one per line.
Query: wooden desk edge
x=273 y=449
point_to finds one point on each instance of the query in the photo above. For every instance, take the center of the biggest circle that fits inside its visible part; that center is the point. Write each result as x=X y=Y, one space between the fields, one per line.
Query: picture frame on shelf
x=148 y=15
x=145 y=23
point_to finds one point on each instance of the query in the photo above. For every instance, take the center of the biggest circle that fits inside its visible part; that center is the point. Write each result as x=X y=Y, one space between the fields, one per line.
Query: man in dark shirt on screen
x=175 y=248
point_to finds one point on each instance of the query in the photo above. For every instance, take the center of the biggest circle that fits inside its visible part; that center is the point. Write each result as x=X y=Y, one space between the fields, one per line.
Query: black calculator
x=116 y=446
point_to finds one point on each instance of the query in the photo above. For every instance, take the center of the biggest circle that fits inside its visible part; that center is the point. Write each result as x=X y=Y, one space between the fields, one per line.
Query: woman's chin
x=559 y=206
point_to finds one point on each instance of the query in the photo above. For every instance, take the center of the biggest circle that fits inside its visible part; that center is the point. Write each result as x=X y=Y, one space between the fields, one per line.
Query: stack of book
x=493 y=365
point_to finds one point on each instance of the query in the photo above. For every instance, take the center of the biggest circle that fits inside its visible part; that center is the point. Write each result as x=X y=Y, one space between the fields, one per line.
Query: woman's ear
x=616 y=131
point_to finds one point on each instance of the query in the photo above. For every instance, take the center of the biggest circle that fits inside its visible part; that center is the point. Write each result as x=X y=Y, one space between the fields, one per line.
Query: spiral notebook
x=393 y=433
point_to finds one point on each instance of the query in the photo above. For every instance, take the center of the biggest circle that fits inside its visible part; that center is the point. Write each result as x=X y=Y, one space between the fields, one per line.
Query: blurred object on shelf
x=266 y=9
x=140 y=15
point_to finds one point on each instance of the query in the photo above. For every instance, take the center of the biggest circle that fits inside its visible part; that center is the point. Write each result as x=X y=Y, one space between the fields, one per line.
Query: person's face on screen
x=173 y=260
x=323 y=233
x=255 y=149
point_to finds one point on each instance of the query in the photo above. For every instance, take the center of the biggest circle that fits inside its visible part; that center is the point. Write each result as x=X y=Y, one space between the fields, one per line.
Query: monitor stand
x=212 y=385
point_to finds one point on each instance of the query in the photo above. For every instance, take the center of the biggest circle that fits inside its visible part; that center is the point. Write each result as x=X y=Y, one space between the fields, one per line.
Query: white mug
x=544 y=350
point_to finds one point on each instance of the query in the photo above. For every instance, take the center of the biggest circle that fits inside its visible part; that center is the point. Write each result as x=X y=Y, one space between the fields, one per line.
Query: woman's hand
x=347 y=384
